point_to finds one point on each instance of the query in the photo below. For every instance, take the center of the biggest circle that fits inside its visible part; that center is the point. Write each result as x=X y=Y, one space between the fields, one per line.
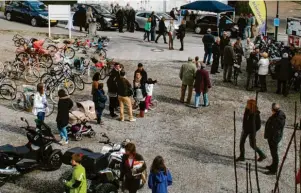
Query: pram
x=78 y=120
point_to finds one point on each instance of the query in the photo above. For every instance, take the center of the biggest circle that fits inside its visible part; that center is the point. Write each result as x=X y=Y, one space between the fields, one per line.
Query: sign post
x=59 y=12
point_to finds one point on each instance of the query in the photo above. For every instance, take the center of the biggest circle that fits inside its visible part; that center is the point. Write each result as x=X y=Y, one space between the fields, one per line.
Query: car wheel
x=33 y=22
x=137 y=26
x=8 y=16
x=197 y=30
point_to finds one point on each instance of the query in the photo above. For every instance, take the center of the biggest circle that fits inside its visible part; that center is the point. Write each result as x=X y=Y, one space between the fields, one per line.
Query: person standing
x=147 y=29
x=162 y=30
x=273 y=133
x=149 y=87
x=263 y=70
x=229 y=57
x=124 y=90
x=208 y=41
x=283 y=73
x=89 y=19
x=120 y=19
x=181 y=34
x=159 y=177
x=172 y=14
x=153 y=26
x=249 y=48
x=253 y=25
x=81 y=17
x=112 y=89
x=127 y=10
x=187 y=75
x=251 y=124
x=140 y=93
x=252 y=65
x=224 y=41
x=242 y=23
x=249 y=25
x=132 y=15
x=131 y=176
x=216 y=56
x=171 y=31
x=62 y=118
x=95 y=82
x=99 y=99
x=201 y=86
x=142 y=72
x=40 y=103
x=238 y=49
x=78 y=182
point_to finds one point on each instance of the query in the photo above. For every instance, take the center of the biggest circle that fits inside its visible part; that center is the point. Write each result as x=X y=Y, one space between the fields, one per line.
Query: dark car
x=105 y=20
x=33 y=12
x=210 y=21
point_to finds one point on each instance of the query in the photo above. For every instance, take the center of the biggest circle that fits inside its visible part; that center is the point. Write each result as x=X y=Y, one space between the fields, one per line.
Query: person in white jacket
x=171 y=32
x=249 y=48
x=263 y=71
x=40 y=102
x=149 y=86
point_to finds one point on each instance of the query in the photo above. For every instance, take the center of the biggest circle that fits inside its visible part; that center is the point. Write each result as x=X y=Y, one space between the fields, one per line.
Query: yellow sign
x=259 y=9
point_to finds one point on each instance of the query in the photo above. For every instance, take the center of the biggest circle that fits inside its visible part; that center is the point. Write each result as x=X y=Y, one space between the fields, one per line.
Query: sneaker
x=61 y=142
x=114 y=115
x=121 y=120
x=145 y=111
x=132 y=120
x=260 y=159
x=66 y=142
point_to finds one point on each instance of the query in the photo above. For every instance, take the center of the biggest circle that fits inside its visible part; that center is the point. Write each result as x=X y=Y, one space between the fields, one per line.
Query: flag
x=260 y=12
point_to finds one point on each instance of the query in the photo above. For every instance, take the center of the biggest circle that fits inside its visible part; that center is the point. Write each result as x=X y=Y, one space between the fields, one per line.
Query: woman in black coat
x=130 y=176
x=249 y=129
x=284 y=73
x=181 y=34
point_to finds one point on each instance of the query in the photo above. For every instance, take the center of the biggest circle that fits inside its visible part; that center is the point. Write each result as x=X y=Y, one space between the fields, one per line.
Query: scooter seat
x=14 y=150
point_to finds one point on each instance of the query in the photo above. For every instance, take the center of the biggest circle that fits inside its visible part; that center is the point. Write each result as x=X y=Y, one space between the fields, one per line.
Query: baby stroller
x=78 y=120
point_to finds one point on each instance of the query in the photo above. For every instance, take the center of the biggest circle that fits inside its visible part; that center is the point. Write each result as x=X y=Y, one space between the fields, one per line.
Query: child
x=159 y=178
x=201 y=85
x=99 y=99
x=62 y=119
x=40 y=103
x=147 y=29
x=149 y=92
x=139 y=93
x=197 y=62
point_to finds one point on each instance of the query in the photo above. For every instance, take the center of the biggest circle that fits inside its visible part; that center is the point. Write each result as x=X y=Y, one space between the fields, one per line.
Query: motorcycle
x=37 y=153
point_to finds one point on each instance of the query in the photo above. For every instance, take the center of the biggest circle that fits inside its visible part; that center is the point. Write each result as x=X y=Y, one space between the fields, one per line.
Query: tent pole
x=218 y=18
x=234 y=16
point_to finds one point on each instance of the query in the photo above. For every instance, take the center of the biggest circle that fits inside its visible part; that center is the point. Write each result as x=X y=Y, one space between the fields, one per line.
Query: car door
x=16 y=10
x=140 y=20
x=25 y=11
x=212 y=23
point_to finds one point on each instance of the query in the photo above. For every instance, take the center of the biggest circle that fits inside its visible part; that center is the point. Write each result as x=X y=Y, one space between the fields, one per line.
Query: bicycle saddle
x=66 y=41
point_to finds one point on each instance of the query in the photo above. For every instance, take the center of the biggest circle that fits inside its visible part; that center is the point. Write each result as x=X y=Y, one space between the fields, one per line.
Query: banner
x=259 y=9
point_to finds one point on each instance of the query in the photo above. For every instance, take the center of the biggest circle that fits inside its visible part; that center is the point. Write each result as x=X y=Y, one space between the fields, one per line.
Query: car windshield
x=166 y=16
x=102 y=10
x=38 y=6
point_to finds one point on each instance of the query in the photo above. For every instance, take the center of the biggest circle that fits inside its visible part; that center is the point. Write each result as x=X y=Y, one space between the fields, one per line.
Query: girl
x=170 y=30
x=149 y=92
x=40 y=103
x=131 y=176
x=159 y=178
x=197 y=62
x=95 y=83
x=99 y=99
x=147 y=29
x=62 y=119
x=140 y=93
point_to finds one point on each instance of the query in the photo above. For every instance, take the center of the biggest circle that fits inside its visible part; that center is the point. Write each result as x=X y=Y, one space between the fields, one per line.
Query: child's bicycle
x=152 y=106
x=24 y=100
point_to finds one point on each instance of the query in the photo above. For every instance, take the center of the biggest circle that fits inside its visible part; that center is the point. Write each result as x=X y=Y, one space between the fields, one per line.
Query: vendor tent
x=210 y=6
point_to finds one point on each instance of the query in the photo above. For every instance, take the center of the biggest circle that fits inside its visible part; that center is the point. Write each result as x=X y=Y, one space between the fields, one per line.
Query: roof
x=211 y=6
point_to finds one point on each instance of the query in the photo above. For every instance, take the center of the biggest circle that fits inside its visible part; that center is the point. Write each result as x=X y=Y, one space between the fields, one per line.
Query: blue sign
x=276 y=22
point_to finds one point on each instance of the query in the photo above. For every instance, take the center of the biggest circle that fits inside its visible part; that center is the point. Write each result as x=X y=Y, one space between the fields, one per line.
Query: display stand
x=59 y=12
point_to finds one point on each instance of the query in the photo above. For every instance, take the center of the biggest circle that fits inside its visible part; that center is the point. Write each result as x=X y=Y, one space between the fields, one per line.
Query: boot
x=141 y=114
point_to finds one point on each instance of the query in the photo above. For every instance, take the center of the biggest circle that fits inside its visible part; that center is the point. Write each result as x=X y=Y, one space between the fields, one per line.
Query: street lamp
x=277 y=16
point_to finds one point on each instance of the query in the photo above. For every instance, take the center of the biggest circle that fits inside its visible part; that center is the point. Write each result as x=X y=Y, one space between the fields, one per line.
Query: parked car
x=142 y=16
x=33 y=12
x=210 y=21
x=105 y=20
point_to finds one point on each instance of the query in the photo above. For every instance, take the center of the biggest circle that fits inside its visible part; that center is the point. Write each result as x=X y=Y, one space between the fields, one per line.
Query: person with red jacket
x=201 y=85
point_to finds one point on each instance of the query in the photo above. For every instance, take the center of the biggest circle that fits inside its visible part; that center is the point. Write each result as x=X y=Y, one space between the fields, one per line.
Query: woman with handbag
x=132 y=169
x=249 y=130
x=170 y=30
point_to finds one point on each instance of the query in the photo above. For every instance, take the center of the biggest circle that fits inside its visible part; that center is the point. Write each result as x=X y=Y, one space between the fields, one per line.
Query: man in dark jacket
x=120 y=19
x=142 y=72
x=162 y=30
x=181 y=34
x=132 y=16
x=224 y=41
x=252 y=65
x=208 y=41
x=216 y=55
x=273 y=133
x=153 y=26
x=172 y=14
x=81 y=17
x=112 y=89
x=283 y=74
x=242 y=23
x=229 y=57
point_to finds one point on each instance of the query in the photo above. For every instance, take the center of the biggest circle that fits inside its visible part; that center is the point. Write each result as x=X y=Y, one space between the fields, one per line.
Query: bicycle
x=68 y=51
x=24 y=101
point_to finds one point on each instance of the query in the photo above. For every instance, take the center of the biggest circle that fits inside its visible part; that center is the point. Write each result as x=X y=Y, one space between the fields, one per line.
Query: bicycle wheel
x=104 y=72
x=10 y=82
x=79 y=83
x=86 y=76
x=19 y=102
x=11 y=71
x=46 y=59
x=41 y=66
x=22 y=56
x=51 y=107
x=52 y=49
x=7 y=92
x=69 y=52
x=68 y=85
x=54 y=94
x=153 y=104
x=31 y=74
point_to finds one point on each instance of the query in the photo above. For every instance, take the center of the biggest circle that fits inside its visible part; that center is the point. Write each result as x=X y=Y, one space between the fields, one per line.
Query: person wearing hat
x=208 y=41
x=201 y=86
x=187 y=75
x=142 y=71
x=273 y=133
x=283 y=74
x=263 y=70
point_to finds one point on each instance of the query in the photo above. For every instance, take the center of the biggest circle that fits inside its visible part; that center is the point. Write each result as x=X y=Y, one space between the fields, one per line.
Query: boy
x=99 y=99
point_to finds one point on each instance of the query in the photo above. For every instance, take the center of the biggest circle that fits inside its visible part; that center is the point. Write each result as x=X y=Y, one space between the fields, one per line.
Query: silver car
x=142 y=16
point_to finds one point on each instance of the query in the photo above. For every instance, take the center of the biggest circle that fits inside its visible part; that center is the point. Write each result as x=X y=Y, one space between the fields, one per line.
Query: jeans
x=41 y=116
x=208 y=53
x=152 y=32
x=215 y=64
x=113 y=105
x=281 y=87
x=170 y=41
x=182 y=43
x=142 y=106
x=263 y=83
x=274 y=153
x=243 y=138
x=248 y=31
x=227 y=72
x=148 y=100
x=197 y=99
x=146 y=35
x=64 y=133
x=99 y=114
x=250 y=77
x=161 y=34
x=242 y=32
x=125 y=101
x=222 y=59
x=183 y=91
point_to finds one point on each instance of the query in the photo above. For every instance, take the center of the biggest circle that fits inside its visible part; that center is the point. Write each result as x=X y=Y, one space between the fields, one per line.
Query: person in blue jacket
x=159 y=178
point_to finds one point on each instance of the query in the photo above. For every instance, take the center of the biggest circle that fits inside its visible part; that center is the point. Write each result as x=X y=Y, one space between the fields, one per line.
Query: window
x=147 y=15
x=141 y=15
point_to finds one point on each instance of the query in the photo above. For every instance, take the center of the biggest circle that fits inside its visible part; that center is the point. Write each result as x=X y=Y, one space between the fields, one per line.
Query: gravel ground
x=197 y=144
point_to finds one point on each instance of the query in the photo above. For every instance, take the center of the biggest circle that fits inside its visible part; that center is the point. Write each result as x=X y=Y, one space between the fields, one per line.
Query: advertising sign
x=293 y=27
